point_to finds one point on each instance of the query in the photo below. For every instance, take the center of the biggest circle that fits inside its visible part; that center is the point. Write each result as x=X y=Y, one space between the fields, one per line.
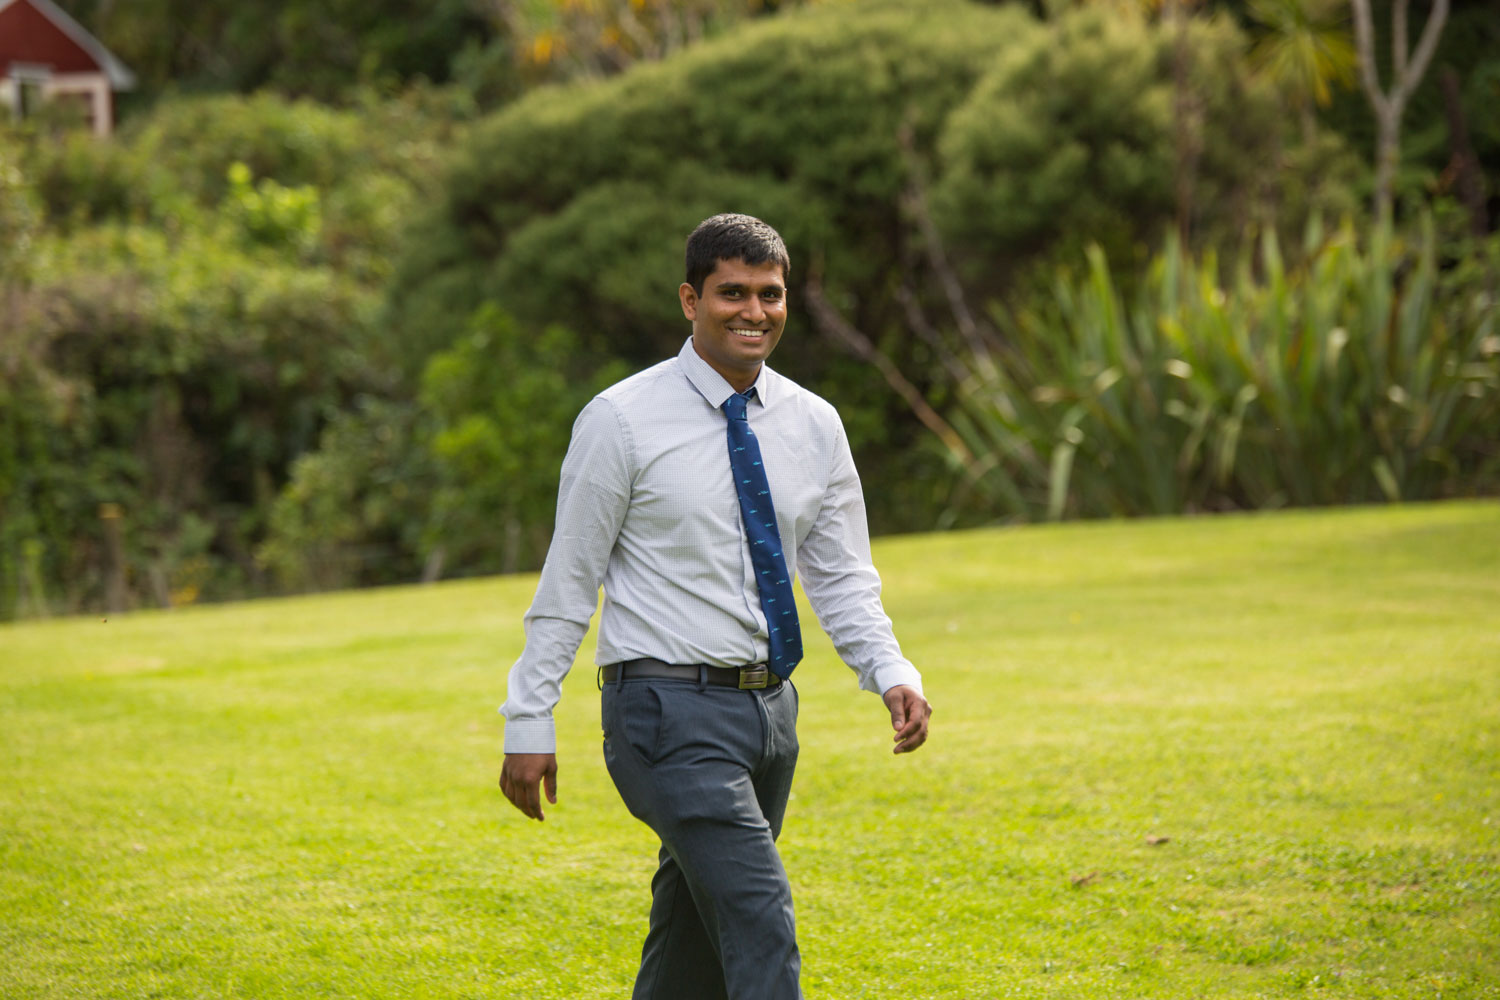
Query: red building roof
x=40 y=33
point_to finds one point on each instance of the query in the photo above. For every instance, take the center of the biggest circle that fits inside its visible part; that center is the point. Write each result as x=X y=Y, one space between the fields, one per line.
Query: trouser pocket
x=634 y=719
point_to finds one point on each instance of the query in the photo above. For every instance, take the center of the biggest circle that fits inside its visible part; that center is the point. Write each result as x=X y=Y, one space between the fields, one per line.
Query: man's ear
x=689 y=299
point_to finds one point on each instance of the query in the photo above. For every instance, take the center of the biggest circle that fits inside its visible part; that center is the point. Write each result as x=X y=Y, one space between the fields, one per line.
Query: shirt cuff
x=530 y=736
x=896 y=674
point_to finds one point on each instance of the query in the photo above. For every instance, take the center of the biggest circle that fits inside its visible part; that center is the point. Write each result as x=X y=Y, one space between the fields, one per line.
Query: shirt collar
x=711 y=385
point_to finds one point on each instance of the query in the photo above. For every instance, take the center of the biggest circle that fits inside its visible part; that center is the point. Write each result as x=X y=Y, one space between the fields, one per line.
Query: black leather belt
x=751 y=678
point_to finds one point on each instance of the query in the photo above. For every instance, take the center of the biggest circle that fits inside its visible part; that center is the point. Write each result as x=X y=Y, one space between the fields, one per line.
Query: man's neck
x=738 y=380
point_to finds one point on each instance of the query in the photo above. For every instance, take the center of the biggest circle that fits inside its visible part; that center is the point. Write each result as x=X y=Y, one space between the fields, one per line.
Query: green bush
x=186 y=308
x=354 y=510
x=322 y=49
x=271 y=214
x=794 y=118
x=571 y=204
x=176 y=379
x=20 y=214
x=503 y=399
x=191 y=142
x=81 y=180
x=1362 y=374
x=1074 y=137
x=462 y=481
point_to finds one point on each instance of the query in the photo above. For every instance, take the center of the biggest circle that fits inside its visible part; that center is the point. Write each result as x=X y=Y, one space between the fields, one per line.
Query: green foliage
x=20 y=215
x=566 y=39
x=1072 y=137
x=503 y=398
x=363 y=169
x=353 y=511
x=1305 y=47
x=238 y=298
x=571 y=204
x=1069 y=134
x=196 y=308
x=460 y=481
x=79 y=179
x=1362 y=374
x=173 y=378
x=1470 y=47
x=794 y=118
x=322 y=50
x=614 y=255
x=273 y=215
x=193 y=142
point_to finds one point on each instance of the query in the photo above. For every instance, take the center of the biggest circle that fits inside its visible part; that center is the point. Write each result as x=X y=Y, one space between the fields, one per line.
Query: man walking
x=692 y=491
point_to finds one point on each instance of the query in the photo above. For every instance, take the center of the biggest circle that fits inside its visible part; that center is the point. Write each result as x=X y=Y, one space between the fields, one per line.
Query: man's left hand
x=909 y=715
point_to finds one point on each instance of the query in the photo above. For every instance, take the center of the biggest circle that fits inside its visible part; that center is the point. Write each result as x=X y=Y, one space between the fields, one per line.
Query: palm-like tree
x=1304 y=50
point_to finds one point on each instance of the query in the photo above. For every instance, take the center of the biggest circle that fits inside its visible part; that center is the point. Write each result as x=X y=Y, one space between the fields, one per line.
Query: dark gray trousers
x=709 y=769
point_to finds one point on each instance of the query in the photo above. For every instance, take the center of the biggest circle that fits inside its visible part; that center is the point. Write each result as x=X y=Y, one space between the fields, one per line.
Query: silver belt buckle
x=755 y=677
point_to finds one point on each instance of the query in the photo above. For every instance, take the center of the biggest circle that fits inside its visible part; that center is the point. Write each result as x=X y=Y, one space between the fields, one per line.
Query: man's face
x=738 y=319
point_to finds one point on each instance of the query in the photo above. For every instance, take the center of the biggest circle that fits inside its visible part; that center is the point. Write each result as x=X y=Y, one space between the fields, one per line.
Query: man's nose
x=754 y=308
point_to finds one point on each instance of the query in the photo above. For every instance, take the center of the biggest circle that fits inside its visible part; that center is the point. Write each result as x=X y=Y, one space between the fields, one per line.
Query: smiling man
x=695 y=492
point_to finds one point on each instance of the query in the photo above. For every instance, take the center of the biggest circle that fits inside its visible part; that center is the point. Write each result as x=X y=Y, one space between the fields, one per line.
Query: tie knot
x=734 y=407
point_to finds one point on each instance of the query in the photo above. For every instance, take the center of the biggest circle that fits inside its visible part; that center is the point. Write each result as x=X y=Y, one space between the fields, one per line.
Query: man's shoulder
x=646 y=385
x=802 y=398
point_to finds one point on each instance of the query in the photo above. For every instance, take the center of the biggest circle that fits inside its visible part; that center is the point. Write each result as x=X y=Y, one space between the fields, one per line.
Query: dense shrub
x=354 y=511
x=795 y=119
x=1361 y=374
x=502 y=401
x=1074 y=136
x=174 y=379
x=571 y=205
x=323 y=49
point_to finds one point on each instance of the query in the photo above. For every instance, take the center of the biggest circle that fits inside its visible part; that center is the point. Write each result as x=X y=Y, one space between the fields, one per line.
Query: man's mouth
x=748 y=334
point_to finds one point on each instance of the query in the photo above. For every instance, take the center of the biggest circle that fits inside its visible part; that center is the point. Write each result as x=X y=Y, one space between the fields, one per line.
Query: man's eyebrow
x=738 y=286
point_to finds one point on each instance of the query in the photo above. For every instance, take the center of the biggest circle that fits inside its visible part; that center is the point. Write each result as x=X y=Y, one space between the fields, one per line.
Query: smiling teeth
x=748 y=333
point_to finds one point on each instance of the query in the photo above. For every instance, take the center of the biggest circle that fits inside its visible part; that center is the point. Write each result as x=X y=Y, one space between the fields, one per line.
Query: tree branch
x=1398 y=42
x=918 y=321
x=1364 y=42
x=932 y=241
x=834 y=325
x=1426 y=46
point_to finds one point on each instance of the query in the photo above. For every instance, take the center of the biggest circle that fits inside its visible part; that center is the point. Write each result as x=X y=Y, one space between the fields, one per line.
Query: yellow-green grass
x=1228 y=757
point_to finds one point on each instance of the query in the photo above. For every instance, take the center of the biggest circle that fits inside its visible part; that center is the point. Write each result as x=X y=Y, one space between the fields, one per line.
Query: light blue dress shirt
x=646 y=507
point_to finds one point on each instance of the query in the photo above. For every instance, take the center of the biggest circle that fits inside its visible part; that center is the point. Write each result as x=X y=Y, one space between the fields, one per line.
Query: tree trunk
x=1184 y=119
x=1407 y=70
x=1387 y=157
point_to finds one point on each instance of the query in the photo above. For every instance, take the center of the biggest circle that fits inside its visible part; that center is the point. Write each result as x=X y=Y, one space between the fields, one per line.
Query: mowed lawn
x=1249 y=756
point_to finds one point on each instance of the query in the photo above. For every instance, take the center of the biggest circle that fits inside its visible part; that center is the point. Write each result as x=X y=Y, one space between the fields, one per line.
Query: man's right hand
x=521 y=776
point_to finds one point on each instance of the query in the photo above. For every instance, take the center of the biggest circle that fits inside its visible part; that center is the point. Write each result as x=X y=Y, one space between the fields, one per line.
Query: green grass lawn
x=1228 y=757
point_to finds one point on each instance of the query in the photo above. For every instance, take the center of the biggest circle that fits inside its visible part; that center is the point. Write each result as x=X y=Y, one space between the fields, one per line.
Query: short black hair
x=733 y=237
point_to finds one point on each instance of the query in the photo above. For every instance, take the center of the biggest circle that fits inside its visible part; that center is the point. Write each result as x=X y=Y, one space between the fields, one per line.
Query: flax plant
x=1362 y=373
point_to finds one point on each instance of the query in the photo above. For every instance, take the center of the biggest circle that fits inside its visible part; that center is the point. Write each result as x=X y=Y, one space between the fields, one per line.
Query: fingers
x=521 y=778
x=909 y=741
x=896 y=700
x=916 y=712
x=531 y=803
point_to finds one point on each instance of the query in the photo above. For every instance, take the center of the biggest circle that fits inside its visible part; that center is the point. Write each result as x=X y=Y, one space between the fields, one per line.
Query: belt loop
x=599 y=677
x=702 y=677
x=620 y=676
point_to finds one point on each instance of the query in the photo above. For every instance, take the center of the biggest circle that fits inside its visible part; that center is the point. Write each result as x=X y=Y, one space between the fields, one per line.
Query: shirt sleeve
x=593 y=495
x=839 y=578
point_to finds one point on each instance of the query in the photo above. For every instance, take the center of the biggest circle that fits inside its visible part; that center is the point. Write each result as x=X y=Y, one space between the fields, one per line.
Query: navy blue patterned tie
x=771 y=576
